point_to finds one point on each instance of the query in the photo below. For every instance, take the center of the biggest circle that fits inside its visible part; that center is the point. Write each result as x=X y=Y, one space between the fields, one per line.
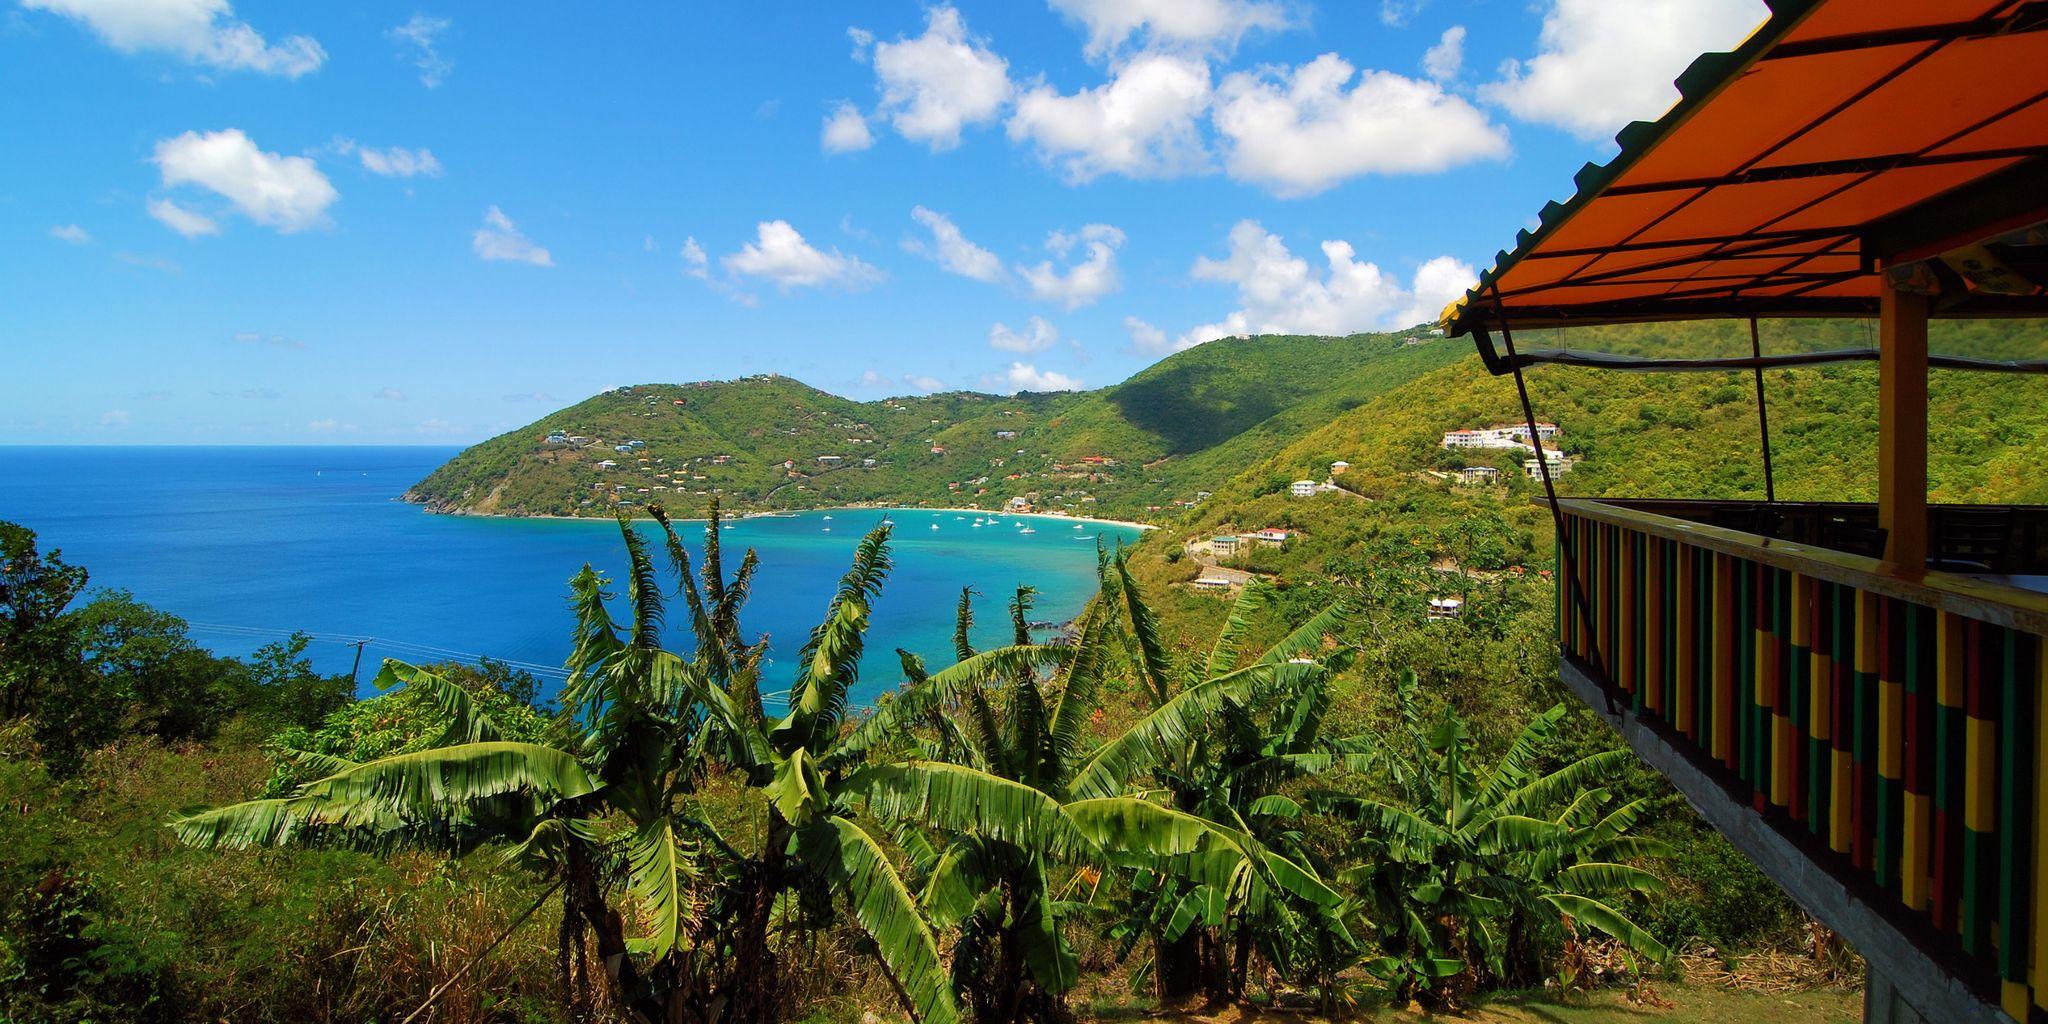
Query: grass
x=1688 y=1003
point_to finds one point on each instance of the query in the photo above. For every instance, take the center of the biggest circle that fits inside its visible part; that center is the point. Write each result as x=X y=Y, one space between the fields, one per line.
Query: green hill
x=1673 y=435
x=1140 y=448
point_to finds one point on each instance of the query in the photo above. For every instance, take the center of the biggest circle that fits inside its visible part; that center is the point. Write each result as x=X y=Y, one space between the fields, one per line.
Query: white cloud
x=501 y=240
x=923 y=384
x=1037 y=336
x=284 y=192
x=1444 y=60
x=951 y=250
x=1171 y=24
x=695 y=263
x=419 y=41
x=1026 y=377
x=389 y=395
x=330 y=425
x=872 y=379
x=114 y=418
x=71 y=233
x=940 y=82
x=149 y=262
x=189 y=223
x=1279 y=293
x=1396 y=13
x=1300 y=131
x=1576 y=80
x=845 y=131
x=1083 y=282
x=780 y=254
x=1142 y=123
x=397 y=162
x=200 y=31
x=1147 y=338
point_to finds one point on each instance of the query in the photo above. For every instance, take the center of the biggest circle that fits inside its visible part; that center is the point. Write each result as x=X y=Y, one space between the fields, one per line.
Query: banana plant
x=606 y=810
x=1233 y=769
x=1009 y=891
x=1471 y=873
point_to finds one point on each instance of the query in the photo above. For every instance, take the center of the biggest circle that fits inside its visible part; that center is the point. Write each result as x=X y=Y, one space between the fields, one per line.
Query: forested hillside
x=1147 y=445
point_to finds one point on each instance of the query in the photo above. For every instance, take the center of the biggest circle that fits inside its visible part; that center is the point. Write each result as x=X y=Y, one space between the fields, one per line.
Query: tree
x=1470 y=874
x=604 y=809
x=1017 y=793
x=1230 y=768
x=34 y=640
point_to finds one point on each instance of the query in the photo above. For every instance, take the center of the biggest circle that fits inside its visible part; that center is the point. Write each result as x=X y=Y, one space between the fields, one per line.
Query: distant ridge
x=1139 y=449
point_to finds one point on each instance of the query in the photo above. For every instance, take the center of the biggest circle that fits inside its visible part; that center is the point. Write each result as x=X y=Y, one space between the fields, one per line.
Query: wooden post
x=1902 y=425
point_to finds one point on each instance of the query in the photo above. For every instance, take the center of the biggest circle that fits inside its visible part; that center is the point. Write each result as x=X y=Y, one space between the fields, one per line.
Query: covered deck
x=1855 y=694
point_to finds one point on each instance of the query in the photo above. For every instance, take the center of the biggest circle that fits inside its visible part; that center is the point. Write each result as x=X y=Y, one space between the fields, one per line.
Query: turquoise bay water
x=249 y=544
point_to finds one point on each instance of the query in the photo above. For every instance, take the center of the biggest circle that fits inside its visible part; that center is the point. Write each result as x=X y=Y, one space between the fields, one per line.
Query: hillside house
x=1302 y=489
x=1273 y=537
x=607 y=464
x=1213 y=583
x=830 y=460
x=1223 y=547
x=558 y=437
x=1446 y=607
x=1339 y=467
x=1480 y=474
x=1559 y=465
x=1006 y=434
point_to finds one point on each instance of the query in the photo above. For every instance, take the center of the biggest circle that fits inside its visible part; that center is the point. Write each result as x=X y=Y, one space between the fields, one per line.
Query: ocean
x=250 y=544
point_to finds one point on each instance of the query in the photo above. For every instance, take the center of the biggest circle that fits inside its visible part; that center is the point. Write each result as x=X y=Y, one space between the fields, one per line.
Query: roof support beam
x=2012 y=198
x=2030 y=17
x=1860 y=165
x=1902 y=425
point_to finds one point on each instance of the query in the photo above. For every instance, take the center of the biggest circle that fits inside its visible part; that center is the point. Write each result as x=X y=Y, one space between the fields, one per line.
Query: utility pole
x=355 y=671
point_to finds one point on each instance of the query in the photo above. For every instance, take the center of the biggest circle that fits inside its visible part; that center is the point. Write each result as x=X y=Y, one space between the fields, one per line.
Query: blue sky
x=392 y=223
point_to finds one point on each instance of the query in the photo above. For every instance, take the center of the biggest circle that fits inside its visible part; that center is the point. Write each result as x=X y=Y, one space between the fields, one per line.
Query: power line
x=432 y=651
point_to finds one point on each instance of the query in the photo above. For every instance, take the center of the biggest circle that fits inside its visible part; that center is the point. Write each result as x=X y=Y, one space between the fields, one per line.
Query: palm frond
x=961 y=800
x=951 y=683
x=1153 y=660
x=1173 y=725
x=1308 y=636
x=886 y=911
x=1223 y=656
x=654 y=872
x=643 y=588
x=1595 y=878
x=467 y=723
x=1600 y=916
x=830 y=659
x=963 y=625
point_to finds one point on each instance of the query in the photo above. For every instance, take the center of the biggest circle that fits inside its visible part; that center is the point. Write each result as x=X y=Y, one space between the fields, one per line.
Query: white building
x=1480 y=474
x=1302 y=488
x=1339 y=467
x=607 y=464
x=1445 y=607
x=1506 y=435
x=1274 y=537
x=1559 y=465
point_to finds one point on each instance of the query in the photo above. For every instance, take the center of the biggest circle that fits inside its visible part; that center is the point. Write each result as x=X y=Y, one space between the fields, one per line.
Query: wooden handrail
x=1984 y=600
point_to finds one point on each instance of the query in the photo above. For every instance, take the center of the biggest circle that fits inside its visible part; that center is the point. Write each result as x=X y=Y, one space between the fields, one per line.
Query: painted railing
x=1891 y=722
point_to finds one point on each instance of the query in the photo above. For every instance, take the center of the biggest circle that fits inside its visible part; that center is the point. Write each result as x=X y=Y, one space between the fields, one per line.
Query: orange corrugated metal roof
x=1844 y=136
